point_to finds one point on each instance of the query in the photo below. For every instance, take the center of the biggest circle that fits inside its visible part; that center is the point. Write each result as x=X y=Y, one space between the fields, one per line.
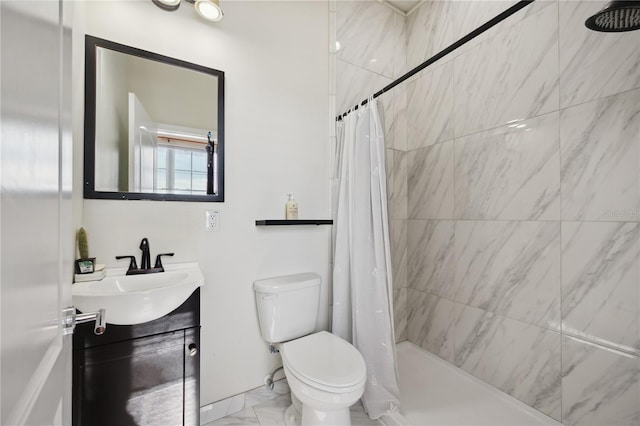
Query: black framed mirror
x=153 y=126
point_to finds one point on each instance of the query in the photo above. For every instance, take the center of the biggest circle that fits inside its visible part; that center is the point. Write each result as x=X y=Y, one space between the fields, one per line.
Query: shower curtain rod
x=473 y=34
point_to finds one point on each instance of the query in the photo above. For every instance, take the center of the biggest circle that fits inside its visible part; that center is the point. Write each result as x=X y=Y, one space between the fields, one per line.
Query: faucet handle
x=132 y=265
x=159 y=261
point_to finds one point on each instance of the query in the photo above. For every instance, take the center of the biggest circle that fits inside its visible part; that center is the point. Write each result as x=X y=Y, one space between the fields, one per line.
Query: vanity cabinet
x=144 y=374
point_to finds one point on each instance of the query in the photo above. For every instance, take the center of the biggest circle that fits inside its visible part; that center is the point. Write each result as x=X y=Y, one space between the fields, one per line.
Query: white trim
x=222 y=408
x=416 y=7
x=165 y=134
x=233 y=404
x=400 y=11
x=393 y=7
x=164 y=128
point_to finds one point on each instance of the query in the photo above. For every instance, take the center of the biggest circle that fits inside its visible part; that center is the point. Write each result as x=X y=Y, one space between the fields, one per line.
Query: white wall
x=275 y=58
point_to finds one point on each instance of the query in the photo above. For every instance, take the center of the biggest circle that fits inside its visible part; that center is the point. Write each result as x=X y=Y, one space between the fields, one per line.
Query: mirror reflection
x=156 y=130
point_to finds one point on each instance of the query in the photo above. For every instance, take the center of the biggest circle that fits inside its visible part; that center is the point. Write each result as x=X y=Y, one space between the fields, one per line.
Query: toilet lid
x=324 y=359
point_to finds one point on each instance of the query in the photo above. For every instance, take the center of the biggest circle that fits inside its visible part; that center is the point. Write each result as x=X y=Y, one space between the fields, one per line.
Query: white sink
x=134 y=299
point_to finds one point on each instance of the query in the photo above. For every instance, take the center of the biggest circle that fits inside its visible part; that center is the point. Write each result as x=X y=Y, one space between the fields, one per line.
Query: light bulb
x=209 y=10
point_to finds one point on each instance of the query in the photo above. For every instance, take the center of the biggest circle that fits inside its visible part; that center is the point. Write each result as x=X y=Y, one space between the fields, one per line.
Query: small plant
x=86 y=264
x=83 y=245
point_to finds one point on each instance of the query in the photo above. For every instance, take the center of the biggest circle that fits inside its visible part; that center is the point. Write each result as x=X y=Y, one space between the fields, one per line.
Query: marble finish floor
x=271 y=413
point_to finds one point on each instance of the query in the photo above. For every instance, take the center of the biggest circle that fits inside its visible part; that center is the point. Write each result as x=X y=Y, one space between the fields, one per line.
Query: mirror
x=154 y=126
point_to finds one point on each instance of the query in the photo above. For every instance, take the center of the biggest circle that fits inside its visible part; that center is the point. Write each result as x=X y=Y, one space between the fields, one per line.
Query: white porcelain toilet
x=326 y=374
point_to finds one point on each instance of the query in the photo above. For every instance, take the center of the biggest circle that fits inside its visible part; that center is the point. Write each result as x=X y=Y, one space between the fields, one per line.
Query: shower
x=617 y=16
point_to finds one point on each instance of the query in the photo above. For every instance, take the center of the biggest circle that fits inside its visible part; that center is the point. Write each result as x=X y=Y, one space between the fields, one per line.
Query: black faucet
x=145 y=261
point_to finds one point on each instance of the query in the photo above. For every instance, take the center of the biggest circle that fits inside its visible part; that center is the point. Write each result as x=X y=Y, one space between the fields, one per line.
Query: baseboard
x=236 y=403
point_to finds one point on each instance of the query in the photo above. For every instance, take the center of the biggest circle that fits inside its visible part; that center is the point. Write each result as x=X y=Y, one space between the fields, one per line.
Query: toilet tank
x=287 y=306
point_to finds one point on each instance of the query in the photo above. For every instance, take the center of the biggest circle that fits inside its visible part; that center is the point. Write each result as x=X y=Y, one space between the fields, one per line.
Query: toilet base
x=291 y=416
x=317 y=407
x=314 y=417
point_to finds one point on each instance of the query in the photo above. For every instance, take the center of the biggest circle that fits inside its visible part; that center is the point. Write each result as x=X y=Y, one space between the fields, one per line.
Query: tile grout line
x=525 y=220
x=532 y=117
x=453 y=213
x=559 y=110
x=255 y=415
x=561 y=414
x=628 y=351
x=361 y=68
x=453 y=300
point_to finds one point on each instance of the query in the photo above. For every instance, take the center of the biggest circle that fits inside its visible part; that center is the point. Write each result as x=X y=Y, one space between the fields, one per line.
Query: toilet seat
x=324 y=361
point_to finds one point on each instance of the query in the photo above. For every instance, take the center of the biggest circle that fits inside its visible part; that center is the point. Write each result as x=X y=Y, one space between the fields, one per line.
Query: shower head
x=617 y=16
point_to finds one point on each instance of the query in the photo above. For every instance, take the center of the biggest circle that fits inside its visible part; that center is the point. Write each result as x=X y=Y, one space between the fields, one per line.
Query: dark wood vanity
x=143 y=374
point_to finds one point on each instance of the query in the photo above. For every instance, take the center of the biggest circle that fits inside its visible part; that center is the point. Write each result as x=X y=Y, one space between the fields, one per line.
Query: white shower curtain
x=362 y=282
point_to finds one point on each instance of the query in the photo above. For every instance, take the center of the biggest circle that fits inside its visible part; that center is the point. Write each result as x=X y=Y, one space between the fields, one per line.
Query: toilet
x=326 y=374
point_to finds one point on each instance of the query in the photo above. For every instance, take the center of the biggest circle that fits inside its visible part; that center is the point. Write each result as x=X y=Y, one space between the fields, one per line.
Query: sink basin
x=134 y=299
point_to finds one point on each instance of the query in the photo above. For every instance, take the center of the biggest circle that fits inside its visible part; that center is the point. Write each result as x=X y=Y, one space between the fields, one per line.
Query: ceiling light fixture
x=168 y=5
x=208 y=9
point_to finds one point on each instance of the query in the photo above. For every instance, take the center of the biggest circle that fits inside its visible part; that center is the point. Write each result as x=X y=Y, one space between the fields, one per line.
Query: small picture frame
x=86 y=266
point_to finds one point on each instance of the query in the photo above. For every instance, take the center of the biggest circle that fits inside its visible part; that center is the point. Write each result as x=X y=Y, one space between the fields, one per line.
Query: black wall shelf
x=281 y=222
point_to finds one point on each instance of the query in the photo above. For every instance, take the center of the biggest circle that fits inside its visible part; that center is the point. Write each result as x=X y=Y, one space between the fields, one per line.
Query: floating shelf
x=281 y=222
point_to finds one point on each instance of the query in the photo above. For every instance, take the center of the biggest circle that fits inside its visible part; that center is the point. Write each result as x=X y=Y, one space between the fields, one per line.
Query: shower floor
x=433 y=392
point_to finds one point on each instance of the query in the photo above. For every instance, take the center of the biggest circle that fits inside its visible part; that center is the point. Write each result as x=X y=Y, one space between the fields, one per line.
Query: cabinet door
x=192 y=376
x=136 y=382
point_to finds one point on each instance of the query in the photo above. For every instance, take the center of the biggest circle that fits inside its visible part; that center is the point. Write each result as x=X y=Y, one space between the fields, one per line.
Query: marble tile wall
x=523 y=205
x=371 y=42
x=510 y=172
x=514 y=195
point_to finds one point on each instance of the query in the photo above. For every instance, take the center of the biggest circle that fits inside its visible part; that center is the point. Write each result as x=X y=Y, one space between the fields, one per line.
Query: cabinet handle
x=193 y=349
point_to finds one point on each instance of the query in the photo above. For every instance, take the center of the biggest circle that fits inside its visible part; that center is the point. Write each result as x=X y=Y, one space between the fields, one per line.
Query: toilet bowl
x=326 y=374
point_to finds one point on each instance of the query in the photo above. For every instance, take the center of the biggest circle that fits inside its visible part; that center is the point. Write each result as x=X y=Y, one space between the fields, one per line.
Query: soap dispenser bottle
x=291 y=208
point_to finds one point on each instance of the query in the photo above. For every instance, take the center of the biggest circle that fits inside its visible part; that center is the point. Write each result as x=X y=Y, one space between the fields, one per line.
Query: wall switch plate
x=212 y=220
